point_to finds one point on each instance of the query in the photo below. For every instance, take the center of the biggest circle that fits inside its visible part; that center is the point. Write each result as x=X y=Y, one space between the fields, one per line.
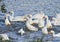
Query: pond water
x=23 y=7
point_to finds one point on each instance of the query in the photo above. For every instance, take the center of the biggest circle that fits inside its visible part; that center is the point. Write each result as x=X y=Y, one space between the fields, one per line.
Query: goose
x=7 y=21
x=17 y=18
x=21 y=31
x=4 y=36
x=54 y=35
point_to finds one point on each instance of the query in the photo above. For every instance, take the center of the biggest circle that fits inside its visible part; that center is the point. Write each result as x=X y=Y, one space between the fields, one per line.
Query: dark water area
x=23 y=7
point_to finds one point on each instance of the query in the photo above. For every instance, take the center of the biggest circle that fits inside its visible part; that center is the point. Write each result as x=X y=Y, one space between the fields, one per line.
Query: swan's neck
x=53 y=33
x=6 y=16
x=11 y=16
x=47 y=19
x=7 y=20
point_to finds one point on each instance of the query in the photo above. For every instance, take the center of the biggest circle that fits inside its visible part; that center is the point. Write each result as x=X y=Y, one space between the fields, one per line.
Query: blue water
x=23 y=7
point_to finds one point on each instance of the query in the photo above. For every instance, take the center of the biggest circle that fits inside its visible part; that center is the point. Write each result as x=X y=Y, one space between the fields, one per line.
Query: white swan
x=29 y=26
x=44 y=30
x=6 y=20
x=44 y=22
x=37 y=17
x=49 y=24
x=55 y=21
x=4 y=36
x=17 y=18
x=21 y=31
x=54 y=35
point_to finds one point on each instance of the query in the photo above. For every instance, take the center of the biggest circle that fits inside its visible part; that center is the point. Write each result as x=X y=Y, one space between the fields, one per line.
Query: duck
x=7 y=22
x=31 y=27
x=54 y=35
x=4 y=36
x=21 y=31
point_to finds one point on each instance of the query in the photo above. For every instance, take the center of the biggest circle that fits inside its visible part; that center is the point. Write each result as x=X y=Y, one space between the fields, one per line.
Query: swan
x=4 y=36
x=7 y=21
x=45 y=21
x=37 y=17
x=55 y=21
x=54 y=35
x=21 y=31
x=44 y=30
x=29 y=26
x=17 y=18
x=49 y=24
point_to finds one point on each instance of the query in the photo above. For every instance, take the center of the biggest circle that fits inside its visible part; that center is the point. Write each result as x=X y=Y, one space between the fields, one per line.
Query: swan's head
x=42 y=14
x=11 y=12
x=27 y=17
x=45 y=16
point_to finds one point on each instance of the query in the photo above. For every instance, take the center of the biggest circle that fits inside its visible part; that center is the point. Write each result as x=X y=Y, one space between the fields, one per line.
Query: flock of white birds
x=40 y=19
